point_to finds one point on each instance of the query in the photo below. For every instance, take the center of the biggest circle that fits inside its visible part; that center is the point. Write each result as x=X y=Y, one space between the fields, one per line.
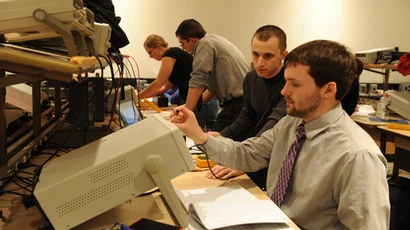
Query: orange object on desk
x=398 y=126
x=152 y=105
x=202 y=161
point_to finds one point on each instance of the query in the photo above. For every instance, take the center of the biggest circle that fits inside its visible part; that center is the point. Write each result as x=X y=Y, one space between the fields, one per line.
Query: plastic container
x=381 y=108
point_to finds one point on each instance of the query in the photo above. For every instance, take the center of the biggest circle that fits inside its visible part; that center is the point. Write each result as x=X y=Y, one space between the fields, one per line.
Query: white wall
x=359 y=24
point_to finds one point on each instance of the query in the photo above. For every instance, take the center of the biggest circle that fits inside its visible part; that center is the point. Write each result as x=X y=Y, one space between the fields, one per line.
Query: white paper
x=225 y=193
x=364 y=110
x=227 y=206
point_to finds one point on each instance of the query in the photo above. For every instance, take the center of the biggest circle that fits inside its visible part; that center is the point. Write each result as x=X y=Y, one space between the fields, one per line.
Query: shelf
x=386 y=67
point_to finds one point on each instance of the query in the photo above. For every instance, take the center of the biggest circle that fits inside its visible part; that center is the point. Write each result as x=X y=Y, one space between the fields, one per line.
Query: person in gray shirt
x=218 y=71
x=325 y=172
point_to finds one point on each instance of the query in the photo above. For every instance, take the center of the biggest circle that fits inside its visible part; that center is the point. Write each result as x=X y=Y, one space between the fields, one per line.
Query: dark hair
x=190 y=28
x=264 y=33
x=359 y=69
x=328 y=61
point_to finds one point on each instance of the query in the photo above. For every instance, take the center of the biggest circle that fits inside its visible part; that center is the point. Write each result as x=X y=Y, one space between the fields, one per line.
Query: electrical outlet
x=363 y=89
x=404 y=86
x=373 y=88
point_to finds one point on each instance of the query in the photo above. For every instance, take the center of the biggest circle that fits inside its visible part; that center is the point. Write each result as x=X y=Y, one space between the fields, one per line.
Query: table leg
x=383 y=140
x=386 y=80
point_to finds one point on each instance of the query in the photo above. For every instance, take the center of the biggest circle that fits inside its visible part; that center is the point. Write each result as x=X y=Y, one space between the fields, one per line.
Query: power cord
x=5 y=219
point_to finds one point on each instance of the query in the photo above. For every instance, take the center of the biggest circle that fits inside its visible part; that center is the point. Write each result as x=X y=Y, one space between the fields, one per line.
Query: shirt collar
x=320 y=124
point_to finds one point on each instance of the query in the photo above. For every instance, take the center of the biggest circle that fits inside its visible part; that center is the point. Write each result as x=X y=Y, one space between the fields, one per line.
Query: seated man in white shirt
x=333 y=175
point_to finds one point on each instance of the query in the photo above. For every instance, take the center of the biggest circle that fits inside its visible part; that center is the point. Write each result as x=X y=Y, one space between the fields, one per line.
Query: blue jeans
x=207 y=116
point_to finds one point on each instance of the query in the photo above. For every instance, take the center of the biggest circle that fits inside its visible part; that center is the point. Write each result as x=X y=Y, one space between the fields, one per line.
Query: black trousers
x=259 y=178
x=230 y=111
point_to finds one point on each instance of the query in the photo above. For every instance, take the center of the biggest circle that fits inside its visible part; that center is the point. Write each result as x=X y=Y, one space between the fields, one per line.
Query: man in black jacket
x=264 y=105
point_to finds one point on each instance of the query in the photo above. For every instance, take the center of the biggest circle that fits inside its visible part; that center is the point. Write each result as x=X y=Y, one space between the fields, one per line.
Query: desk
x=149 y=206
x=386 y=74
x=401 y=140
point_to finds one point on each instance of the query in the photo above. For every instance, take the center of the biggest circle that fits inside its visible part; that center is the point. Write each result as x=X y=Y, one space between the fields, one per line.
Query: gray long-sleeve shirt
x=339 y=178
x=218 y=66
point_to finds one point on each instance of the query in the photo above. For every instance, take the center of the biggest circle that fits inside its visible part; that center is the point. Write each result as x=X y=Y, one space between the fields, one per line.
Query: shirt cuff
x=211 y=146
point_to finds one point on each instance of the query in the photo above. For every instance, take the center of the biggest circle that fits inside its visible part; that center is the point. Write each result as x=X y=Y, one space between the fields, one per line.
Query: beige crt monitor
x=105 y=173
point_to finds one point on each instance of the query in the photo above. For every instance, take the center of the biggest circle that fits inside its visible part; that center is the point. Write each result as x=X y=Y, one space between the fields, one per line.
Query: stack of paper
x=364 y=110
x=231 y=207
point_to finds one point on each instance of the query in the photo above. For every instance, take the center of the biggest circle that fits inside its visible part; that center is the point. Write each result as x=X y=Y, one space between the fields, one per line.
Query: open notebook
x=128 y=112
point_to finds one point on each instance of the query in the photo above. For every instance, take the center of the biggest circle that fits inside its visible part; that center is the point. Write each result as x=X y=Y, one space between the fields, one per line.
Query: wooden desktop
x=150 y=206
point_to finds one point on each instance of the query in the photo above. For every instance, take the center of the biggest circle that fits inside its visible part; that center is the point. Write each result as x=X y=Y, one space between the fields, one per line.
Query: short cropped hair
x=264 y=33
x=190 y=28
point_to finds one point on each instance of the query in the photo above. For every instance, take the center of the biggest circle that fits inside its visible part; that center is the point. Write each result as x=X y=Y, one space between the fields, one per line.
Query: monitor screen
x=128 y=112
x=92 y=179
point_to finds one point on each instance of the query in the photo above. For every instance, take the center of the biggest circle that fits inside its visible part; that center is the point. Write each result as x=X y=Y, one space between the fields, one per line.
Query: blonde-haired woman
x=175 y=70
x=176 y=66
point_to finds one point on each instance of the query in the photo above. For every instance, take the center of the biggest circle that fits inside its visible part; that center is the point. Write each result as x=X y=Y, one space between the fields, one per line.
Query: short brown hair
x=328 y=61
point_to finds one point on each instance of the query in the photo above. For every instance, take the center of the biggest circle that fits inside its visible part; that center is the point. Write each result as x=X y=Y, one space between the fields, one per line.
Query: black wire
x=19 y=185
x=100 y=87
x=113 y=56
x=202 y=148
x=13 y=192
x=31 y=182
x=37 y=175
x=149 y=193
x=53 y=145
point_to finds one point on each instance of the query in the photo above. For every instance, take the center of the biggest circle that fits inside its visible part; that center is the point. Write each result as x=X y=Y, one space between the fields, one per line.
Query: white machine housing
x=18 y=24
x=105 y=173
x=399 y=102
x=376 y=56
x=101 y=38
x=404 y=86
x=21 y=96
